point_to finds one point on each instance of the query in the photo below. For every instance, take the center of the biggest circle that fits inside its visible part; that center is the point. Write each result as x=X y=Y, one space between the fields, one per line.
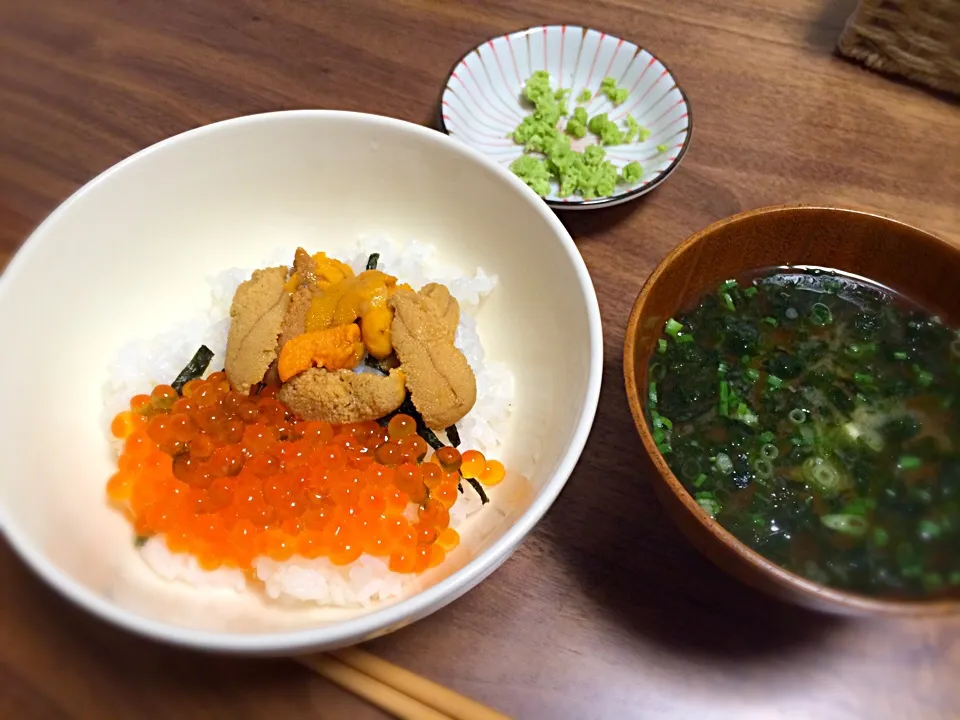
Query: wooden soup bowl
x=913 y=262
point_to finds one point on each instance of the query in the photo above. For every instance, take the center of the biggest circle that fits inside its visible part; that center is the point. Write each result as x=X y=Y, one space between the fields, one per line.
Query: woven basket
x=918 y=39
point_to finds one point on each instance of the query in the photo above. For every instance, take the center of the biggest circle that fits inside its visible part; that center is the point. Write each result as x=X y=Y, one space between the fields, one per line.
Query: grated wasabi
x=632 y=172
x=548 y=155
x=616 y=95
x=577 y=124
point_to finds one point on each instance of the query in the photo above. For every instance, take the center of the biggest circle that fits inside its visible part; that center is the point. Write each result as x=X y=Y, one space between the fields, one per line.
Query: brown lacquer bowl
x=899 y=256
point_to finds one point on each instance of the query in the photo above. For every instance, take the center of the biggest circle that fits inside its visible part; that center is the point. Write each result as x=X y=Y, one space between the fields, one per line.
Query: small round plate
x=482 y=101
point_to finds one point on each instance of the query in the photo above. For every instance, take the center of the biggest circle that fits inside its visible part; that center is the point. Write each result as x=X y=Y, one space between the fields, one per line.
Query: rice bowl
x=197 y=204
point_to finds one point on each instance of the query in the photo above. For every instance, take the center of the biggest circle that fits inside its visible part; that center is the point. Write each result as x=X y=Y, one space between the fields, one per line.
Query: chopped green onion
x=709 y=502
x=659 y=435
x=663 y=448
x=880 y=537
x=853 y=525
x=928 y=530
x=727 y=285
x=683 y=339
x=661 y=346
x=657 y=420
x=900 y=355
x=763 y=468
x=667 y=423
x=728 y=301
x=724 y=463
x=924 y=377
x=724 y=398
x=767 y=437
x=653 y=393
x=909 y=462
x=700 y=480
x=774 y=382
x=820 y=314
x=769 y=451
x=770 y=321
x=673 y=327
x=751 y=375
x=797 y=416
x=690 y=468
x=722 y=369
x=750 y=292
x=862 y=378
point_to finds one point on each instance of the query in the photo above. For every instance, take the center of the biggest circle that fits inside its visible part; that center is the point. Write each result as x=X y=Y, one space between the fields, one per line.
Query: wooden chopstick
x=400 y=692
x=373 y=691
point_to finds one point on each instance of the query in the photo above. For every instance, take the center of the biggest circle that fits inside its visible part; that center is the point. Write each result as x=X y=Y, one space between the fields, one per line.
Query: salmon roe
x=228 y=477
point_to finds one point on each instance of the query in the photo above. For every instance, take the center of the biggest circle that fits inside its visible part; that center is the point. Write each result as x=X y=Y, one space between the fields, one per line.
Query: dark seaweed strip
x=372 y=261
x=453 y=436
x=479 y=488
x=195 y=368
x=407 y=408
x=140 y=540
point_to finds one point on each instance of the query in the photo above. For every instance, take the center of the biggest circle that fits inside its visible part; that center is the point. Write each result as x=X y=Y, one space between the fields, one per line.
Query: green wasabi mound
x=533 y=172
x=608 y=86
x=546 y=133
x=631 y=172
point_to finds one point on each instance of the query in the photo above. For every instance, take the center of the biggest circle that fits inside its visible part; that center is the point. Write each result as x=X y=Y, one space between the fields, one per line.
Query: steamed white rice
x=148 y=362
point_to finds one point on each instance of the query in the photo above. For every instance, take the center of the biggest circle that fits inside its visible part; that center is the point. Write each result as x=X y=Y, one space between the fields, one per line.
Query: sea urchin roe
x=229 y=478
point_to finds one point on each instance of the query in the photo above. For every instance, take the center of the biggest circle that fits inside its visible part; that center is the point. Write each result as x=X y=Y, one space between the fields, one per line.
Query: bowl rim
x=593 y=203
x=812 y=590
x=405 y=611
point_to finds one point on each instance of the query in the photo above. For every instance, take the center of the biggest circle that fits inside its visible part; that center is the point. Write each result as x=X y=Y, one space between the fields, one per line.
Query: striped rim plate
x=481 y=103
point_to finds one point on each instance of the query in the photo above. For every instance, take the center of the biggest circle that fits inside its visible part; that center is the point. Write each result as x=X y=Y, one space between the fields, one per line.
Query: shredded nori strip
x=453 y=436
x=479 y=488
x=407 y=408
x=140 y=540
x=195 y=368
x=372 y=261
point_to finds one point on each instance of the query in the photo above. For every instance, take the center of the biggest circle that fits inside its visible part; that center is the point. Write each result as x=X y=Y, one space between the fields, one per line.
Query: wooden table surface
x=605 y=611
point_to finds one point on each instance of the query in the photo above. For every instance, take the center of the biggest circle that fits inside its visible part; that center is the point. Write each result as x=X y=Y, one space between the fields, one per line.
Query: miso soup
x=815 y=416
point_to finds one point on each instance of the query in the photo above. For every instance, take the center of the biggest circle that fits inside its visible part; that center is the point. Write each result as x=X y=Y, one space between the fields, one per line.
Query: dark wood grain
x=605 y=611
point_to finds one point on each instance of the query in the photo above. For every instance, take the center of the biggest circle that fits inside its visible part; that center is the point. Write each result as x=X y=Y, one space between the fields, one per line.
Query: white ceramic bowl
x=127 y=256
x=482 y=100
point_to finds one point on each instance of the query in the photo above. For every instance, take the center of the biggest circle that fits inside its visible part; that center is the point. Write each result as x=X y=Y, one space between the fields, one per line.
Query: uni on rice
x=341 y=447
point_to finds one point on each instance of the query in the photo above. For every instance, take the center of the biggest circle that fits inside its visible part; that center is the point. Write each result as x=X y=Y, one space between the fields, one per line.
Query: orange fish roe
x=228 y=477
